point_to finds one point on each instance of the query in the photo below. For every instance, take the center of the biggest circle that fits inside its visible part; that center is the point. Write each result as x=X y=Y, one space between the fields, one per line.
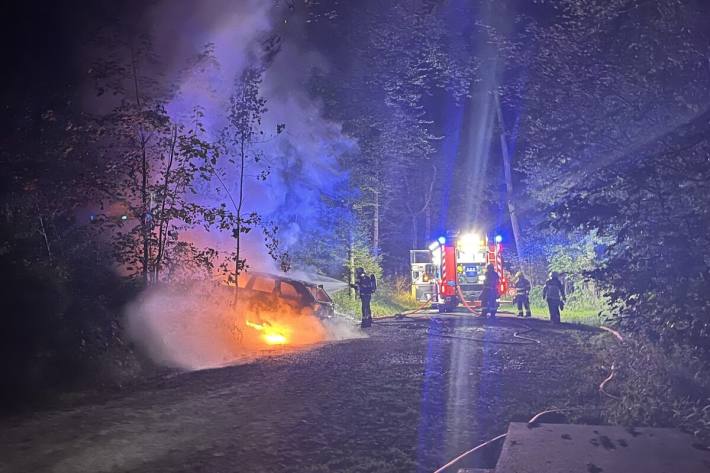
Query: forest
x=159 y=143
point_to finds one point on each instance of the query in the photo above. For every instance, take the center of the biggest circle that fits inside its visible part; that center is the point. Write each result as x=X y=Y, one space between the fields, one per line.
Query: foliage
x=657 y=387
x=616 y=117
x=59 y=317
x=90 y=198
x=402 y=55
x=153 y=166
x=240 y=142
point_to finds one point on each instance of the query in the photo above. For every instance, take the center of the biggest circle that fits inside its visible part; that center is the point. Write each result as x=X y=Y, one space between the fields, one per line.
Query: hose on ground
x=482 y=340
x=403 y=315
x=602 y=386
x=612 y=374
x=528 y=329
x=464 y=302
x=533 y=420
x=519 y=334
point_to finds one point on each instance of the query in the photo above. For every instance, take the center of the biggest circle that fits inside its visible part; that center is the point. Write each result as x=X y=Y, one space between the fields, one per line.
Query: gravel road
x=407 y=398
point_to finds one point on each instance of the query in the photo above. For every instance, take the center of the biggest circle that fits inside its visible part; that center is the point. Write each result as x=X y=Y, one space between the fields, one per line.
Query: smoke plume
x=196 y=327
x=302 y=161
x=205 y=46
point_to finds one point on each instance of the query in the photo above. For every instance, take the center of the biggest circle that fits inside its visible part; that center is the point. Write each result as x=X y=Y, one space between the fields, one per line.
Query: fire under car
x=269 y=291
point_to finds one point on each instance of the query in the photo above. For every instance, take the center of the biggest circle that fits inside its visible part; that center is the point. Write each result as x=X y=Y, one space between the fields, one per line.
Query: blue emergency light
x=499 y=238
x=442 y=240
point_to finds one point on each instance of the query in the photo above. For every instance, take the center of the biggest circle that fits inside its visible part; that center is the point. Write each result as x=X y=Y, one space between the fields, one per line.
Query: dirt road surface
x=409 y=397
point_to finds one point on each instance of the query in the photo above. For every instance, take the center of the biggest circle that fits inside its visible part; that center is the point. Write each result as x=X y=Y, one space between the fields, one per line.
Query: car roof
x=281 y=278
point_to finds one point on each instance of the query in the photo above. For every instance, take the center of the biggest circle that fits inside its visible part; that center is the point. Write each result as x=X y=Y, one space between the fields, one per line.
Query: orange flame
x=271 y=334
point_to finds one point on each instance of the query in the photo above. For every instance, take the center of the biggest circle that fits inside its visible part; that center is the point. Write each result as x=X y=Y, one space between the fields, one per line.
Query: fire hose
x=464 y=301
x=534 y=419
x=602 y=386
x=468 y=306
x=531 y=422
x=415 y=311
x=518 y=334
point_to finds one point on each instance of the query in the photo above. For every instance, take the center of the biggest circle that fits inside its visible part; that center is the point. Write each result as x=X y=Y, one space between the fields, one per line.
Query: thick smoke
x=207 y=45
x=195 y=327
x=303 y=160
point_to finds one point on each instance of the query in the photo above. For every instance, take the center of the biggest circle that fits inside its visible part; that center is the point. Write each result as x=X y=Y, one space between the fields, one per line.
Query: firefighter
x=365 y=286
x=489 y=294
x=522 y=294
x=554 y=294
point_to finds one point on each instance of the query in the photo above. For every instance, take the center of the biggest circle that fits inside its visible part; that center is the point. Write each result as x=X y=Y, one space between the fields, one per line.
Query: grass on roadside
x=386 y=301
x=575 y=315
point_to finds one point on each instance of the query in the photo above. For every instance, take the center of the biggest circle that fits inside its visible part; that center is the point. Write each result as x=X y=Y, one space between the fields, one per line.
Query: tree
x=153 y=164
x=615 y=117
x=242 y=137
x=400 y=55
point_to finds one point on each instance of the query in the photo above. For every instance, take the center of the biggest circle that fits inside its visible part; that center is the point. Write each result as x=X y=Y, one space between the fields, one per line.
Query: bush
x=659 y=387
x=59 y=326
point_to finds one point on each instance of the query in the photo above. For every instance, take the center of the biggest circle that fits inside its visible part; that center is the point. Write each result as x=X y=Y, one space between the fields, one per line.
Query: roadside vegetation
x=392 y=296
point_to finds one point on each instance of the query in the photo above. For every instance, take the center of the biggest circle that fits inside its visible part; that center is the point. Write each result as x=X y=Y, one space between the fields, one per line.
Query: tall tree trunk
x=507 y=169
x=163 y=230
x=427 y=222
x=240 y=202
x=145 y=233
x=351 y=261
x=415 y=232
x=146 y=209
x=43 y=232
x=376 y=224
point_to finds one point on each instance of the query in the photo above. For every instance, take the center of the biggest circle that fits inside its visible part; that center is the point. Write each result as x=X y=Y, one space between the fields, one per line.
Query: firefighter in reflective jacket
x=522 y=294
x=365 y=286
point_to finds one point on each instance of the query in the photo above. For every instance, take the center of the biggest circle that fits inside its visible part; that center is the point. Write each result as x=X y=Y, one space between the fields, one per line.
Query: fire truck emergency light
x=442 y=240
x=469 y=241
x=499 y=238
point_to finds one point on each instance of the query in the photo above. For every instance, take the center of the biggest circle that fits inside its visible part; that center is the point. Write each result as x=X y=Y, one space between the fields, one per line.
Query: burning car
x=283 y=311
x=269 y=291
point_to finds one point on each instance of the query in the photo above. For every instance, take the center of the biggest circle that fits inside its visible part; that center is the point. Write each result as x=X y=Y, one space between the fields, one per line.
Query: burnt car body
x=269 y=291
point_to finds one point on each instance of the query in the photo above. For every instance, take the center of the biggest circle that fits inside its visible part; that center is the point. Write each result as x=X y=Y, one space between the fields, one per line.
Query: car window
x=289 y=291
x=323 y=296
x=263 y=284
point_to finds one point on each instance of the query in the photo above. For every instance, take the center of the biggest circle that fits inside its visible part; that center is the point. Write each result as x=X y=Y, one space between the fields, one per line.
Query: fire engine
x=454 y=267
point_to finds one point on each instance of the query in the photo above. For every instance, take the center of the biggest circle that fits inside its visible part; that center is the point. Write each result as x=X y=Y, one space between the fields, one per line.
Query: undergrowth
x=656 y=387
